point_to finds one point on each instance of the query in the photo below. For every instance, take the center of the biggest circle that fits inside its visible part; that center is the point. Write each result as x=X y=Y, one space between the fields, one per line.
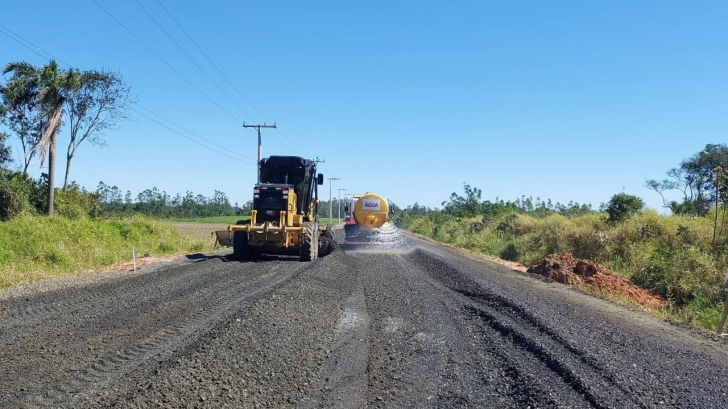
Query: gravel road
x=413 y=326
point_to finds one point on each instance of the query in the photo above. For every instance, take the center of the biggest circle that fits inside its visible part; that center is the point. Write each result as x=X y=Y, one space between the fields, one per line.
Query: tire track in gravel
x=92 y=339
x=290 y=347
x=23 y=310
x=548 y=361
x=521 y=331
x=447 y=330
x=414 y=347
x=346 y=374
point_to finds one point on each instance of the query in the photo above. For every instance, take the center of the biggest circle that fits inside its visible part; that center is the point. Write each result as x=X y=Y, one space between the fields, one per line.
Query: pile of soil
x=566 y=269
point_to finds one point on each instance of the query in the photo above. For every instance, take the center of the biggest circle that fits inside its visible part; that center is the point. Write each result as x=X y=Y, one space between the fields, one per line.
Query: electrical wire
x=147 y=109
x=35 y=50
x=186 y=137
x=225 y=77
x=192 y=59
x=273 y=140
x=166 y=63
x=190 y=132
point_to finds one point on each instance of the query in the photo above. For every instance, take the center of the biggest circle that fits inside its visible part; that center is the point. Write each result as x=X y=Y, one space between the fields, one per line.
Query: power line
x=35 y=50
x=289 y=140
x=173 y=69
x=166 y=63
x=140 y=106
x=19 y=37
x=224 y=76
x=210 y=61
x=186 y=137
x=190 y=132
x=192 y=59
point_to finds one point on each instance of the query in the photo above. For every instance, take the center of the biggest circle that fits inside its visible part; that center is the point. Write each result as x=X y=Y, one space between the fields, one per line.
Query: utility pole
x=338 y=217
x=331 y=208
x=259 y=140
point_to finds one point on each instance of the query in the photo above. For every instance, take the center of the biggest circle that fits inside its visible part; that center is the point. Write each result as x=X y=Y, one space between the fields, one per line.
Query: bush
x=678 y=273
x=17 y=191
x=622 y=205
x=76 y=203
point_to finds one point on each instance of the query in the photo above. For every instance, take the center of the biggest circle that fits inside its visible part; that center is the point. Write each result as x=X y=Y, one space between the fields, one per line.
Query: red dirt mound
x=566 y=269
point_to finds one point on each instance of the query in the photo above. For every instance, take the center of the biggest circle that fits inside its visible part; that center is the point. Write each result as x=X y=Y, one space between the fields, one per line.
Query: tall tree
x=22 y=119
x=45 y=87
x=695 y=177
x=97 y=101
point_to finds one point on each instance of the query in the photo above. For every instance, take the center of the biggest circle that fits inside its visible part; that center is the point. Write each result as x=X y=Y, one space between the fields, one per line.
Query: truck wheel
x=309 y=242
x=241 y=249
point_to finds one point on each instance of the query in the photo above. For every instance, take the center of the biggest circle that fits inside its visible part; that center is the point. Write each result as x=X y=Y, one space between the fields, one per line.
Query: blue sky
x=562 y=100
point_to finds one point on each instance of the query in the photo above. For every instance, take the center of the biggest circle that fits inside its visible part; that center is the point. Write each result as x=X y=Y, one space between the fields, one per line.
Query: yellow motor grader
x=283 y=219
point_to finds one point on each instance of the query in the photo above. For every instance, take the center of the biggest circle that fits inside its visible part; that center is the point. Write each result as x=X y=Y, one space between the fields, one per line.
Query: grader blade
x=224 y=238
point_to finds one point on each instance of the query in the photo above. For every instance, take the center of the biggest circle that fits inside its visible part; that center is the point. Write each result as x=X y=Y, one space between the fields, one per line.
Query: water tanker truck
x=365 y=217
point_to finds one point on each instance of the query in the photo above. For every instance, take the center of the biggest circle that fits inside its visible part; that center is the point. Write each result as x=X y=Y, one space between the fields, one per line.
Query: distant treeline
x=470 y=205
x=156 y=203
x=20 y=195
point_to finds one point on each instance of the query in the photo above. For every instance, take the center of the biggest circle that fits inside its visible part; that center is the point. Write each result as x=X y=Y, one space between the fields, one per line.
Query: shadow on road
x=200 y=257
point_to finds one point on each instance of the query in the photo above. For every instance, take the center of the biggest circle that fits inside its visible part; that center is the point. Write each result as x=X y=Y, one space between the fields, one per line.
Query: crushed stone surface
x=415 y=325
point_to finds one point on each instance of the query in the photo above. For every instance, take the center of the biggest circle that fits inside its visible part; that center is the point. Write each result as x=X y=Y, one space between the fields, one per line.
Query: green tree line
x=156 y=203
x=20 y=195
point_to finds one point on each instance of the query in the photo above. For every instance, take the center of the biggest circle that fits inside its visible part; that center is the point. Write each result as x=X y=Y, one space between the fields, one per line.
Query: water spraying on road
x=389 y=239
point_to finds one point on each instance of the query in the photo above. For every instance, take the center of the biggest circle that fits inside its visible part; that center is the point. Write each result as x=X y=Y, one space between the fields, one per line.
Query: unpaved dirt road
x=415 y=327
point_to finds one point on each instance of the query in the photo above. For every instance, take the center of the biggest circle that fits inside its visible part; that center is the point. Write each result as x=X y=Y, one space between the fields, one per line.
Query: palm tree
x=44 y=87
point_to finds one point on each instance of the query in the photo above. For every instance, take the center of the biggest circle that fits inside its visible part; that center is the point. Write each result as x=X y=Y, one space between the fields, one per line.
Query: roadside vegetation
x=682 y=256
x=38 y=248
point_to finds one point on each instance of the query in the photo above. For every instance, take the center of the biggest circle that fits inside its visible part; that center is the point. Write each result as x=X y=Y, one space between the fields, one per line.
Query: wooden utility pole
x=259 y=140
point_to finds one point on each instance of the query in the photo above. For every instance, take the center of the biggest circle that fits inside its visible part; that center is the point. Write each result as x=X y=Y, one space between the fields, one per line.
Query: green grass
x=38 y=248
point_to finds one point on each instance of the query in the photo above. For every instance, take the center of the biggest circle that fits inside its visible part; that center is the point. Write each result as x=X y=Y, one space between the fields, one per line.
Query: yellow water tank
x=371 y=211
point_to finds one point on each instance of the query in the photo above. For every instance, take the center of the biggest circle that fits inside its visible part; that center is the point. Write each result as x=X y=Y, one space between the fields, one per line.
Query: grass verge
x=39 y=248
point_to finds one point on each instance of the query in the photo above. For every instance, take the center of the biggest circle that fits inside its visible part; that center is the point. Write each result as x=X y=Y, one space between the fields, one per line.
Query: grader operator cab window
x=281 y=175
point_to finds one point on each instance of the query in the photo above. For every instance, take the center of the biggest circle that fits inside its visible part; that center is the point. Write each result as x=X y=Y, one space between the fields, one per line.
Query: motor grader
x=283 y=219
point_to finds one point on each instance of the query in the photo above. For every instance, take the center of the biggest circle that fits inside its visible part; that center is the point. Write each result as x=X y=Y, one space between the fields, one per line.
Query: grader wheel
x=309 y=242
